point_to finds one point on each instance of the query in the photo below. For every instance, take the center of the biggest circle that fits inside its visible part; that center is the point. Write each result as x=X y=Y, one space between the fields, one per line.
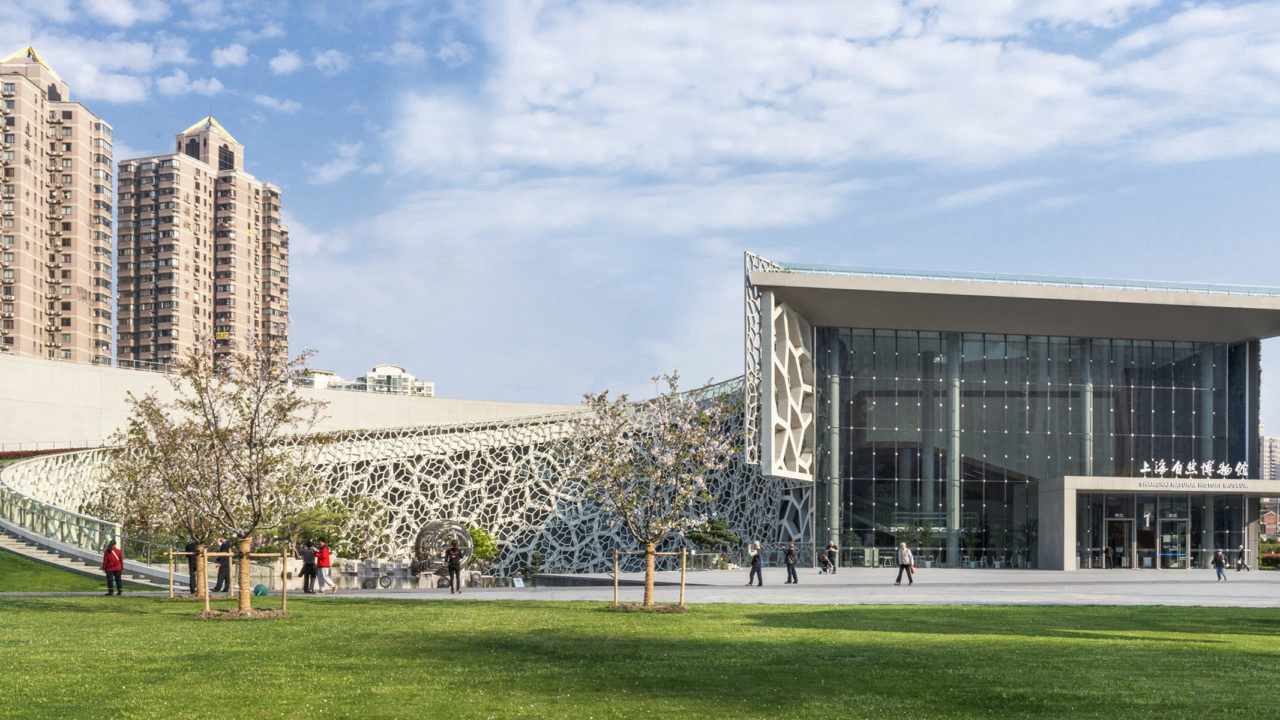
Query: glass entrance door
x=1119 y=550
x=1173 y=544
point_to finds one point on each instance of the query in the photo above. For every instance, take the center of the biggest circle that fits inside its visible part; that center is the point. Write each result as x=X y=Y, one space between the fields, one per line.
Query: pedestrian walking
x=193 y=564
x=906 y=563
x=112 y=565
x=757 y=563
x=307 y=553
x=791 y=564
x=1241 y=562
x=833 y=555
x=322 y=569
x=224 y=567
x=453 y=562
x=1220 y=565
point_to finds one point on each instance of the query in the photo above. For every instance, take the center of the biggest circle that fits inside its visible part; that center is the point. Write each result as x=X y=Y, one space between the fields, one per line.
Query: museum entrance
x=1143 y=531
x=1119 y=544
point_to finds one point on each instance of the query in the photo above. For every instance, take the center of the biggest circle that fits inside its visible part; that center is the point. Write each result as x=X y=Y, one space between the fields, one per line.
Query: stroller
x=824 y=563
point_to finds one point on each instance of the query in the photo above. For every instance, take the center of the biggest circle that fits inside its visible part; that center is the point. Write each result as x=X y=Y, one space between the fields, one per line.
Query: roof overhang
x=968 y=306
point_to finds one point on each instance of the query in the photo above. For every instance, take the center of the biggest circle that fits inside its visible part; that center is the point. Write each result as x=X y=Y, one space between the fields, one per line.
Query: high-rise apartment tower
x=55 y=218
x=203 y=254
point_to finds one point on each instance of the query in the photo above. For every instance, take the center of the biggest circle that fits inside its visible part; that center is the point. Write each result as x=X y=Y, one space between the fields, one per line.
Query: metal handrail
x=1034 y=280
x=68 y=527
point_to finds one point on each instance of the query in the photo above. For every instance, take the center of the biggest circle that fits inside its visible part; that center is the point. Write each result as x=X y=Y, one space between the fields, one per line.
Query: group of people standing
x=315 y=568
x=316 y=565
x=829 y=560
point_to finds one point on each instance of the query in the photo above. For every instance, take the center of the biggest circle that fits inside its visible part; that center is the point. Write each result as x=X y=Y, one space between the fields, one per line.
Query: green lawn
x=150 y=658
x=20 y=574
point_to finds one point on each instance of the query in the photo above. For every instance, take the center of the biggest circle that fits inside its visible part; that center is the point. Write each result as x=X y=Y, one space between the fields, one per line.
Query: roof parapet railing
x=1031 y=280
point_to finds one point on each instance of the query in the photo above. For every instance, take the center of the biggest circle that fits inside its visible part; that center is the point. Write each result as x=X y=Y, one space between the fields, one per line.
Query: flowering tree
x=230 y=451
x=649 y=462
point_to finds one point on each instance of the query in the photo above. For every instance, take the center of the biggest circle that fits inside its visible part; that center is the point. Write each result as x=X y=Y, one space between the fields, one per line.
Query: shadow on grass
x=1076 y=622
x=817 y=672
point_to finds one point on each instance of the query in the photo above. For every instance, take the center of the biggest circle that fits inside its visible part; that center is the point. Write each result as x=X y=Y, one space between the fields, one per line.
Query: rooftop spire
x=28 y=55
x=208 y=123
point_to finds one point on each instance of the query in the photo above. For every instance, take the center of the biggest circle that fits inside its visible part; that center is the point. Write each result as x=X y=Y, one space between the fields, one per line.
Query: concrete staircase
x=54 y=555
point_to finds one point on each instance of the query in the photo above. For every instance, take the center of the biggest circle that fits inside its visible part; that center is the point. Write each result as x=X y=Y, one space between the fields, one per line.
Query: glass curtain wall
x=940 y=438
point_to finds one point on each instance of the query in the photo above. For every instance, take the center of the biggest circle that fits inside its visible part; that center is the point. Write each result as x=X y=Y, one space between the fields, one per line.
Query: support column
x=1204 y=408
x=953 y=449
x=1204 y=448
x=928 y=430
x=1087 y=404
x=833 y=467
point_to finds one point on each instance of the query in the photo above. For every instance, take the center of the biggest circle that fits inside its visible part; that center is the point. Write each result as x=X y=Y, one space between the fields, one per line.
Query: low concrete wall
x=54 y=404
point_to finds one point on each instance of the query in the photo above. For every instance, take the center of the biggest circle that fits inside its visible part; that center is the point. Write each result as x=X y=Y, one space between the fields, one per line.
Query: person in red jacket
x=112 y=564
x=322 y=569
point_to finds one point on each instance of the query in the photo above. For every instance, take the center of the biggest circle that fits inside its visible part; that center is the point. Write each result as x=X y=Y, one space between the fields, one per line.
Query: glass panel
x=1173 y=544
x=1146 y=531
x=1119 y=506
x=1118 y=552
x=1173 y=506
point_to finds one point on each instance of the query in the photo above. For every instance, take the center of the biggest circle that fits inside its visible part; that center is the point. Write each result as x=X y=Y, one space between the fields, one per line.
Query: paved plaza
x=932 y=587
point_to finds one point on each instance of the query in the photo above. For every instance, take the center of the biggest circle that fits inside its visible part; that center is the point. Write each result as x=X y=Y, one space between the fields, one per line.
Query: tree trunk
x=649 y=550
x=246 y=593
x=202 y=572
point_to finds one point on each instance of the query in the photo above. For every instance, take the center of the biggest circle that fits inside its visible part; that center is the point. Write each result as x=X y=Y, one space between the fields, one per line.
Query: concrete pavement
x=932 y=587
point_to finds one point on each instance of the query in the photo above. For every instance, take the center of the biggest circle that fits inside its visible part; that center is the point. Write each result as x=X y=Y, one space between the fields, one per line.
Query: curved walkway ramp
x=55 y=536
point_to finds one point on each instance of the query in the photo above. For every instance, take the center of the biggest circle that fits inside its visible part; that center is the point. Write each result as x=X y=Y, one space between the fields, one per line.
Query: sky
x=533 y=200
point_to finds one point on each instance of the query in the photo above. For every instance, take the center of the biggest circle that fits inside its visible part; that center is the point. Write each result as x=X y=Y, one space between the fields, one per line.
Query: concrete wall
x=53 y=404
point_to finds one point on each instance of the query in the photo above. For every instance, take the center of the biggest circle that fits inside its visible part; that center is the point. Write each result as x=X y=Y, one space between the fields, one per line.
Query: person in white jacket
x=906 y=564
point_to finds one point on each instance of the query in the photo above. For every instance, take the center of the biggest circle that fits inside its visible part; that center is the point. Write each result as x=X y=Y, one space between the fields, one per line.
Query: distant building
x=389 y=379
x=1268 y=521
x=203 y=251
x=55 y=218
x=1270 y=459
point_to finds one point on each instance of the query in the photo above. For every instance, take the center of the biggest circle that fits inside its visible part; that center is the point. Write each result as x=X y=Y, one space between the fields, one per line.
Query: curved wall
x=54 y=404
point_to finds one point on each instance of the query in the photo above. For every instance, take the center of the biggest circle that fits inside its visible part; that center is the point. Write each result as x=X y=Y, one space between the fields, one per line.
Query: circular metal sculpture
x=433 y=540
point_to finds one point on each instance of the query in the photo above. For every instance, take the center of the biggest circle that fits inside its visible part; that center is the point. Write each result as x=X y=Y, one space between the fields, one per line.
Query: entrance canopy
x=1068 y=307
x=1057 y=504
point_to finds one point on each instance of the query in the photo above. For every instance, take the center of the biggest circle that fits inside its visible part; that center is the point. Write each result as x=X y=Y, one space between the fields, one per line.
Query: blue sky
x=530 y=200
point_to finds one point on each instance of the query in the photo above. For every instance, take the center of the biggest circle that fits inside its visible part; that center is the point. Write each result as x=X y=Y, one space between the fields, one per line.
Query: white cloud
x=233 y=55
x=178 y=83
x=268 y=30
x=111 y=69
x=284 y=106
x=988 y=19
x=19 y=13
x=1056 y=203
x=285 y=62
x=454 y=54
x=986 y=193
x=330 y=62
x=346 y=160
x=670 y=89
x=125 y=13
x=401 y=53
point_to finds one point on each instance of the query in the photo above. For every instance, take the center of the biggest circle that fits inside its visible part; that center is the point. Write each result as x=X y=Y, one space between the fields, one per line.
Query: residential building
x=1270 y=459
x=55 y=217
x=389 y=379
x=203 y=253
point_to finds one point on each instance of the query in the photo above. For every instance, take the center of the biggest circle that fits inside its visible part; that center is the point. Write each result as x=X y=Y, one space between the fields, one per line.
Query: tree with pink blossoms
x=649 y=462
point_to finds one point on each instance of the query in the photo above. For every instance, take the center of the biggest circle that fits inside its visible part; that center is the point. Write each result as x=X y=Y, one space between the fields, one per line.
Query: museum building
x=999 y=421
